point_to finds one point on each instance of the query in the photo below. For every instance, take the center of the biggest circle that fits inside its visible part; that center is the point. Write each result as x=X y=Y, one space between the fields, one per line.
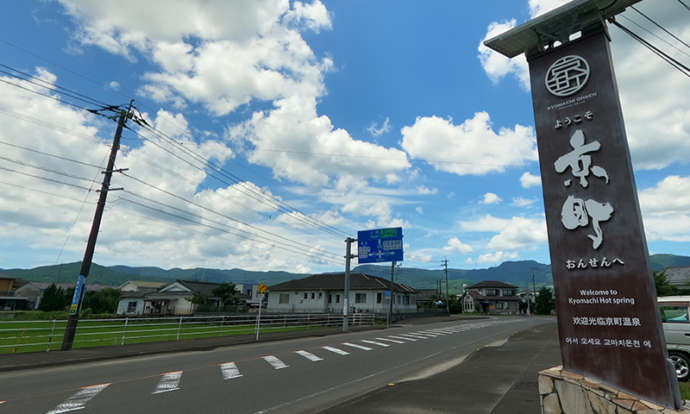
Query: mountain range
x=516 y=272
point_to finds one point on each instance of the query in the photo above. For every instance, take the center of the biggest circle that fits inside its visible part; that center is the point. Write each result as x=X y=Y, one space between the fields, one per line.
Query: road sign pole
x=258 y=318
x=390 y=304
x=346 y=296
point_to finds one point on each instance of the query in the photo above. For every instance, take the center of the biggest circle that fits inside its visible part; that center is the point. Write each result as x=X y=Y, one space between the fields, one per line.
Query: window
x=131 y=307
x=320 y=295
x=337 y=298
x=284 y=298
x=313 y=295
x=500 y=305
x=379 y=297
x=398 y=299
x=673 y=314
x=361 y=298
x=305 y=295
x=330 y=298
x=406 y=300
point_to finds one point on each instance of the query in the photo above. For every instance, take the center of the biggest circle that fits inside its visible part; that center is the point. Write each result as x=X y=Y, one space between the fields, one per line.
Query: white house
x=172 y=299
x=491 y=296
x=324 y=293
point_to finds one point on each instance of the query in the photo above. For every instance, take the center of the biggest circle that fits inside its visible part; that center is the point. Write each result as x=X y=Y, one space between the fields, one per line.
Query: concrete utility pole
x=445 y=264
x=390 y=305
x=80 y=287
x=346 y=296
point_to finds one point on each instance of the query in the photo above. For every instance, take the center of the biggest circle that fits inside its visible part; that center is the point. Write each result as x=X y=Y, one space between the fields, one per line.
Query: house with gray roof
x=678 y=276
x=172 y=299
x=325 y=293
x=491 y=296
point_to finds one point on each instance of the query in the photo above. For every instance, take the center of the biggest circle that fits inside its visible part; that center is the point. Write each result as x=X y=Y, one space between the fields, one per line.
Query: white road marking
x=170 y=381
x=395 y=341
x=414 y=336
x=78 y=401
x=429 y=334
x=336 y=350
x=364 y=348
x=375 y=343
x=309 y=356
x=403 y=338
x=275 y=362
x=230 y=370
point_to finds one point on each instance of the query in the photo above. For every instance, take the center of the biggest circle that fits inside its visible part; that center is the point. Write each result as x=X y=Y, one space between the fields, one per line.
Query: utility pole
x=529 y=301
x=534 y=290
x=80 y=287
x=346 y=296
x=390 y=305
x=445 y=264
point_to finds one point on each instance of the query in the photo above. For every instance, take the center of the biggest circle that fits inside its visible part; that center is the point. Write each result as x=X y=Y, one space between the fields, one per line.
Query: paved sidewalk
x=27 y=360
x=496 y=379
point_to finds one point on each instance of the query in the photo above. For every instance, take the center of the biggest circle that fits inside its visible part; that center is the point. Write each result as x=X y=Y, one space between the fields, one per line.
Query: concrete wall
x=298 y=303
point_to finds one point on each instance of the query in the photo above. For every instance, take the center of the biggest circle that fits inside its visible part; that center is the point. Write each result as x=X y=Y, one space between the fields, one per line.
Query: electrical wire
x=655 y=35
x=64 y=174
x=44 y=178
x=272 y=244
x=660 y=26
x=684 y=5
x=670 y=60
x=52 y=97
x=217 y=213
x=51 y=155
x=35 y=190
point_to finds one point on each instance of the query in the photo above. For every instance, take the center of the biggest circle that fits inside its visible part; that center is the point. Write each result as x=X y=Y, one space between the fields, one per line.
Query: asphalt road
x=293 y=376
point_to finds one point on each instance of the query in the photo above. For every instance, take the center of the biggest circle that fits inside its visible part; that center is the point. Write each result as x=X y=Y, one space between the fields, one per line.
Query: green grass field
x=44 y=335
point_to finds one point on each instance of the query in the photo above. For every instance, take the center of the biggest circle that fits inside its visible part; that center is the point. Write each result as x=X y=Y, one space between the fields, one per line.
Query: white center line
x=336 y=350
x=403 y=338
x=275 y=362
x=170 y=381
x=365 y=348
x=375 y=343
x=230 y=370
x=78 y=401
x=395 y=341
x=309 y=356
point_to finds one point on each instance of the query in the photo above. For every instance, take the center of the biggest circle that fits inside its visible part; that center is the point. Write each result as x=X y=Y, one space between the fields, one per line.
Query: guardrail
x=28 y=336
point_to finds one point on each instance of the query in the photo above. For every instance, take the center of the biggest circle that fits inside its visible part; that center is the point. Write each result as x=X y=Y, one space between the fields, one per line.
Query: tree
x=227 y=295
x=103 y=301
x=663 y=287
x=53 y=299
x=544 y=303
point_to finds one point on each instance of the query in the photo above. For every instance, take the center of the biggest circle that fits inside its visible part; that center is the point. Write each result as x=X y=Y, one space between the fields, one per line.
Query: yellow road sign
x=262 y=288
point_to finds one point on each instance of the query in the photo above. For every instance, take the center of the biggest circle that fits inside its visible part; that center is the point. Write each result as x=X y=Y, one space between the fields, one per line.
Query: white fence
x=26 y=336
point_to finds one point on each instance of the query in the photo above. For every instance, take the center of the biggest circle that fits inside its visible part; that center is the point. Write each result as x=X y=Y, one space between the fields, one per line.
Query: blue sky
x=356 y=114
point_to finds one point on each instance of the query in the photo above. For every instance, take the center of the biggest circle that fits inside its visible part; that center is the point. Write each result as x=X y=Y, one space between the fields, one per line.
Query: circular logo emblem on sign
x=567 y=75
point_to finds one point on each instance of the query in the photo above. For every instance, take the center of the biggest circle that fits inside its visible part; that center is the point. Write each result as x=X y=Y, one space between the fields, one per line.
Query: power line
x=670 y=60
x=26 y=164
x=44 y=178
x=660 y=26
x=35 y=190
x=684 y=5
x=655 y=35
x=51 y=155
x=51 y=97
x=217 y=213
x=272 y=244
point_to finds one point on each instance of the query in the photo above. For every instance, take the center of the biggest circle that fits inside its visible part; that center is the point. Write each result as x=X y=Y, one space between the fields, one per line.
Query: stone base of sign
x=562 y=392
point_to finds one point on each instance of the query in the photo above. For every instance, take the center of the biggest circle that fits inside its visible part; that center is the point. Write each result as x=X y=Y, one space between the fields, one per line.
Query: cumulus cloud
x=491 y=198
x=523 y=202
x=495 y=257
x=454 y=245
x=658 y=128
x=665 y=209
x=472 y=147
x=515 y=233
x=528 y=180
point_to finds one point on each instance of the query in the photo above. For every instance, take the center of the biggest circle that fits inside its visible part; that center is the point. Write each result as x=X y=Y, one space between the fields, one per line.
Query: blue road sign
x=380 y=245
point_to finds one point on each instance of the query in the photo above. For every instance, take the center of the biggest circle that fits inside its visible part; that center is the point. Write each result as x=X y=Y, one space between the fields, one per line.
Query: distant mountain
x=516 y=272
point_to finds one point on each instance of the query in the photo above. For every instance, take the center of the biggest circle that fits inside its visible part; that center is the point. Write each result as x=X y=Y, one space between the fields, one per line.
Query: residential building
x=140 y=286
x=325 y=293
x=678 y=276
x=9 y=299
x=172 y=299
x=491 y=296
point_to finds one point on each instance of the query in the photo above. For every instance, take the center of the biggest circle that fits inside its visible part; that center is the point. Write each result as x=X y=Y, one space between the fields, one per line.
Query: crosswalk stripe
x=364 y=348
x=275 y=362
x=395 y=341
x=415 y=336
x=375 y=343
x=336 y=350
x=169 y=381
x=230 y=370
x=309 y=356
x=429 y=334
x=78 y=400
x=403 y=338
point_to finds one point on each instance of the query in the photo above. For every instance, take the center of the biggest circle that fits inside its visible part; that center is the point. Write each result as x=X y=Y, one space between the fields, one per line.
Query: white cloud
x=499 y=256
x=523 y=202
x=513 y=234
x=491 y=198
x=665 y=209
x=419 y=210
x=422 y=255
x=472 y=147
x=114 y=85
x=498 y=66
x=454 y=245
x=528 y=180
x=424 y=190
x=653 y=94
x=376 y=130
